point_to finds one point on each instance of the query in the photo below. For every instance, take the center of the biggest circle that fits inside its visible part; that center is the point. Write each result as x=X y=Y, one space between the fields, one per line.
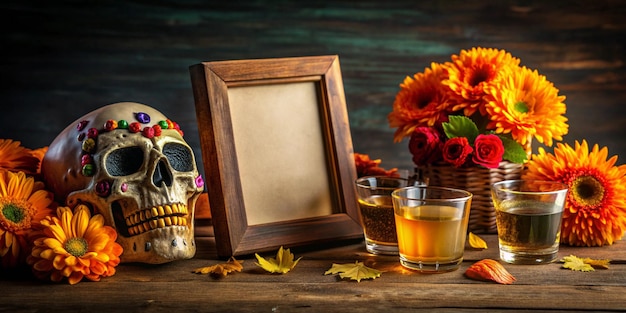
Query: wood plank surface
x=62 y=59
x=173 y=286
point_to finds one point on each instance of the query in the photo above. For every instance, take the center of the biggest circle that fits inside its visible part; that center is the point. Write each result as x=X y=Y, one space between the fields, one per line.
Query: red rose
x=425 y=145
x=488 y=151
x=456 y=151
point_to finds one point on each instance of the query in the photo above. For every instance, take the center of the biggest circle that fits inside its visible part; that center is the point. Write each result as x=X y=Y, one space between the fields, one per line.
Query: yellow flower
x=75 y=246
x=14 y=157
x=527 y=105
x=472 y=71
x=595 y=210
x=23 y=204
x=421 y=101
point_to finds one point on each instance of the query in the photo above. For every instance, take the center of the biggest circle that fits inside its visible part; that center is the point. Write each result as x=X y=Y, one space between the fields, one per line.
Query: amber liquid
x=378 y=221
x=431 y=234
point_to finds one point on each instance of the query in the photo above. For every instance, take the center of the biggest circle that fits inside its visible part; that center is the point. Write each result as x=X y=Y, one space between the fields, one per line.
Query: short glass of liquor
x=431 y=223
x=376 y=212
x=528 y=218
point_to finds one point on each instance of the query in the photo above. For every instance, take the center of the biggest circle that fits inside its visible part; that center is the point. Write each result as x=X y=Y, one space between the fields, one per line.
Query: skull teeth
x=157 y=217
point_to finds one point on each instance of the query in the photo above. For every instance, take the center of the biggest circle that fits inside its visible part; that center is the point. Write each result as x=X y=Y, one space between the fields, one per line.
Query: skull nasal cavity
x=162 y=175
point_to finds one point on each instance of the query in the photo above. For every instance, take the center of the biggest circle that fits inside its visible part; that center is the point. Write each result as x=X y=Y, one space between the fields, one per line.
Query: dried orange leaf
x=575 y=263
x=476 y=242
x=355 y=271
x=282 y=264
x=221 y=270
x=489 y=269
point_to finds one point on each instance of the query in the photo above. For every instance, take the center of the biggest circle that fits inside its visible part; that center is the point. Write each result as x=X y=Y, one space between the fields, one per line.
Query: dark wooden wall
x=62 y=59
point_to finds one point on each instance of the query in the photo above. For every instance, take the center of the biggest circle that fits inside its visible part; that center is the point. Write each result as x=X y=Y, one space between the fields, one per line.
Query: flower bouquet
x=56 y=243
x=471 y=122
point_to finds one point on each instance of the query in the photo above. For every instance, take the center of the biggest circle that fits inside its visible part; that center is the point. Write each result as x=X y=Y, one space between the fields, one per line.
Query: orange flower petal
x=59 y=262
x=75 y=278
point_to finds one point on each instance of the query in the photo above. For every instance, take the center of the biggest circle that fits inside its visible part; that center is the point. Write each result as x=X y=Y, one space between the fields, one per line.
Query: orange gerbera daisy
x=421 y=101
x=595 y=210
x=527 y=105
x=75 y=246
x=23 y=204
x=472 y=71
x=14 y=157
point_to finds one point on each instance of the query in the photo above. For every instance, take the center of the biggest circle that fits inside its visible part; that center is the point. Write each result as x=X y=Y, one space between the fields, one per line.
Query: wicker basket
x=476 y=180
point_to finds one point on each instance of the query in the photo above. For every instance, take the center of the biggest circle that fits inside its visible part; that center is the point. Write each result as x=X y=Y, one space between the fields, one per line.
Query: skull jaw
x=159 y=246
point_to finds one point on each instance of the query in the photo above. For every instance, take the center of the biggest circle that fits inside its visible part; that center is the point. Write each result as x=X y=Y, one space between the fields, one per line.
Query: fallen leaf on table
x=476 y=242
x=489 y=269
x=355 y=271
x=282 y=264
x=575 y=263
x=596 y=263
x=222 y=269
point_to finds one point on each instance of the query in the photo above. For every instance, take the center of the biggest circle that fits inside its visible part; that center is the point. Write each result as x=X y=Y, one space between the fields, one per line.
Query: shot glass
x=431 y=223
x=528 y=218
x=376 y=212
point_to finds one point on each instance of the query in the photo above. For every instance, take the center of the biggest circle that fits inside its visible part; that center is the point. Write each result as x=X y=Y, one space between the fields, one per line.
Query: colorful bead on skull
x=130 y=164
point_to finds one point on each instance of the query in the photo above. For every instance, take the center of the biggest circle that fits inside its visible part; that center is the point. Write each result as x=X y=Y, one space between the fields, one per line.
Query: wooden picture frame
x=275 y=137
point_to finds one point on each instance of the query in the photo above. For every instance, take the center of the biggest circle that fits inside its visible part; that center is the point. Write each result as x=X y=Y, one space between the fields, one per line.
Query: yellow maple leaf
x=282 y=264
x=584 y=264
x=222 y=269
x=356 y=271
x=476 y=242
x=597 y=263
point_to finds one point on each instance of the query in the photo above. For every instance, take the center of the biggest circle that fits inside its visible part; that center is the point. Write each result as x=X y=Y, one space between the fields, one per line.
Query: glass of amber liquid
x=528 y=218
x=376 y=212
x=431 y=224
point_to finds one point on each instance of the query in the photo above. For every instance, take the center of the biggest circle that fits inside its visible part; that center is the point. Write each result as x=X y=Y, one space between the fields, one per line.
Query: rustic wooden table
x=174 y=288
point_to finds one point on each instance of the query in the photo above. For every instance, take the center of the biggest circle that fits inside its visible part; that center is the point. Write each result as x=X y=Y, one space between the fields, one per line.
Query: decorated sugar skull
x=130 y=163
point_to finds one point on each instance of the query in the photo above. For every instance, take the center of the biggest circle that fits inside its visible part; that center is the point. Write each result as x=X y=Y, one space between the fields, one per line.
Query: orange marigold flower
x=16 y=158
x=527 y=105
x=23 y=204
x=39 y=154
x=595 y=210
x=368 y=167
x=421 y=101
x=472 y=71
x=75 y=246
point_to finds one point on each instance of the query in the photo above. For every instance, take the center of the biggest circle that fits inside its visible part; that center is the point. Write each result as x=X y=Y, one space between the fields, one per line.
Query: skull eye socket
x=124 y=161
x=179 y=156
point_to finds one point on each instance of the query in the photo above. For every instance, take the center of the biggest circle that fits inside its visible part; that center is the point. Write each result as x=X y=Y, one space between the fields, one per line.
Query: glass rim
x=466 y=194
x=563 y=186
x=359 y=181
x=363 y=178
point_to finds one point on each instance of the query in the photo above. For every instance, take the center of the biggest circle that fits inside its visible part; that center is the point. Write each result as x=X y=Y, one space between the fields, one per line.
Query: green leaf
x=513 y=151
x=355 y=271
x=461 y=126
